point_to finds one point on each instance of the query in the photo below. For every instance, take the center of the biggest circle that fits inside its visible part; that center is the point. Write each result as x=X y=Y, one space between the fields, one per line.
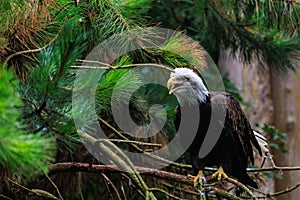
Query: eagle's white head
x=187 y=86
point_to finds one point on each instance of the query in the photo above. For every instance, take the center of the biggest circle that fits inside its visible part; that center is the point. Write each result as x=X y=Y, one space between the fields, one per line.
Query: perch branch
x=86 y=167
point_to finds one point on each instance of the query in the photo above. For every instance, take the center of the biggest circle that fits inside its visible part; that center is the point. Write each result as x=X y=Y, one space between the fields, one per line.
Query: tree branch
x=106 y=66
x=275 y=168
x=86 y=167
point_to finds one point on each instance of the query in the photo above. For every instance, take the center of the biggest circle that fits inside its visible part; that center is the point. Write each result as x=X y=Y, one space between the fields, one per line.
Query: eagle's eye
x=186 y=78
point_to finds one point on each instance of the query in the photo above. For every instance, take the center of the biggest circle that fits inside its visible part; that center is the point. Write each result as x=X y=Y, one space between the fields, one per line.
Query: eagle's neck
x=193 y=97
x=203 y=95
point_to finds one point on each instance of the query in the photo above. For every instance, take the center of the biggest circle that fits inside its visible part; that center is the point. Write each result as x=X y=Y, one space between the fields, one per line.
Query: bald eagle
x=233 y=148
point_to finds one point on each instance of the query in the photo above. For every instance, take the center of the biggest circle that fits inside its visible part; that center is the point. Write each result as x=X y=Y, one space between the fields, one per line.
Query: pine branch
x=34 y=50
x=86 y=167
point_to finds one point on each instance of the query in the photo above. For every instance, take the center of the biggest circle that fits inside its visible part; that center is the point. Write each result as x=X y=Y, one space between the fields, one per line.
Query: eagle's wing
x=238 y=129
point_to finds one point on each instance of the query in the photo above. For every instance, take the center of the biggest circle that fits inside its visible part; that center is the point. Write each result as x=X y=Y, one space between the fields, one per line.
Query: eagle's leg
x=220 y=174
x=199 y=178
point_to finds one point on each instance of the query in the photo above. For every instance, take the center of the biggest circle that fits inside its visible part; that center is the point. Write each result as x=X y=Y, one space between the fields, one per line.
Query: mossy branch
x=122 y=161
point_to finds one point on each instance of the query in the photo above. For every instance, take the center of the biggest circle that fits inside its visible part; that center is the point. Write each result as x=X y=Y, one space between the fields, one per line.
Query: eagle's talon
x=219 y=174
x=199 y=179
x=202 y=180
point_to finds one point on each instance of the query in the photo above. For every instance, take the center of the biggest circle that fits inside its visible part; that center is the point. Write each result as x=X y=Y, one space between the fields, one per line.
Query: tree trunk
x=285 y=90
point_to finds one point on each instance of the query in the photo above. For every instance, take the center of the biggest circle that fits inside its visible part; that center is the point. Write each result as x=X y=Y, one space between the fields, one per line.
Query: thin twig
x=131 y=141
x=275 y=168
x=108 y=66
x=287 y=190
x=112 y=185
x=138 y=149
x=165 y=192
x=242 y=186
x=37 y=192
x=5 y=197
x=56 y=188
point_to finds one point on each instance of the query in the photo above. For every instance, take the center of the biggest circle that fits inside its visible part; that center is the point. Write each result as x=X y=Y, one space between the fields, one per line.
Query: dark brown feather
x=234 y=146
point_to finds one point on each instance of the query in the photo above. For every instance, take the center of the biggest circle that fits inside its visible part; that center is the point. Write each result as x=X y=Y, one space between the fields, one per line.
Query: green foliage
x=48 y=88
x=116 y=82
x=266 y=30
x=272 y=175
x=277 y=139
x=21 y=153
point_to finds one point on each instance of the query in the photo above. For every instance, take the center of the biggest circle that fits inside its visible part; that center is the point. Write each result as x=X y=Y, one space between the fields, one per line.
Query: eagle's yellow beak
x=170 y=85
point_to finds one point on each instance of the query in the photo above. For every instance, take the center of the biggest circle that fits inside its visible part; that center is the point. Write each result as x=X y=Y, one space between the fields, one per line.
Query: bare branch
x=112 y=185
x=86 y=167
x=242 y=186
x=275 y=168
x=106 y=66
x=287 y=190
x=138 y=149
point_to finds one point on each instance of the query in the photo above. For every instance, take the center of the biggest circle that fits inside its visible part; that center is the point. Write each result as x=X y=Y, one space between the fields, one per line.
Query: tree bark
x=286 y=96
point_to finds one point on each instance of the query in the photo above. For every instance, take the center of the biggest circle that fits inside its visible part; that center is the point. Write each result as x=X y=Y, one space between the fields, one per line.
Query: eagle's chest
x=202 y=124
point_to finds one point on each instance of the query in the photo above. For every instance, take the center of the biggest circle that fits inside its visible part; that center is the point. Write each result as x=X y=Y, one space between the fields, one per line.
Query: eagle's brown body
x=233 y=148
